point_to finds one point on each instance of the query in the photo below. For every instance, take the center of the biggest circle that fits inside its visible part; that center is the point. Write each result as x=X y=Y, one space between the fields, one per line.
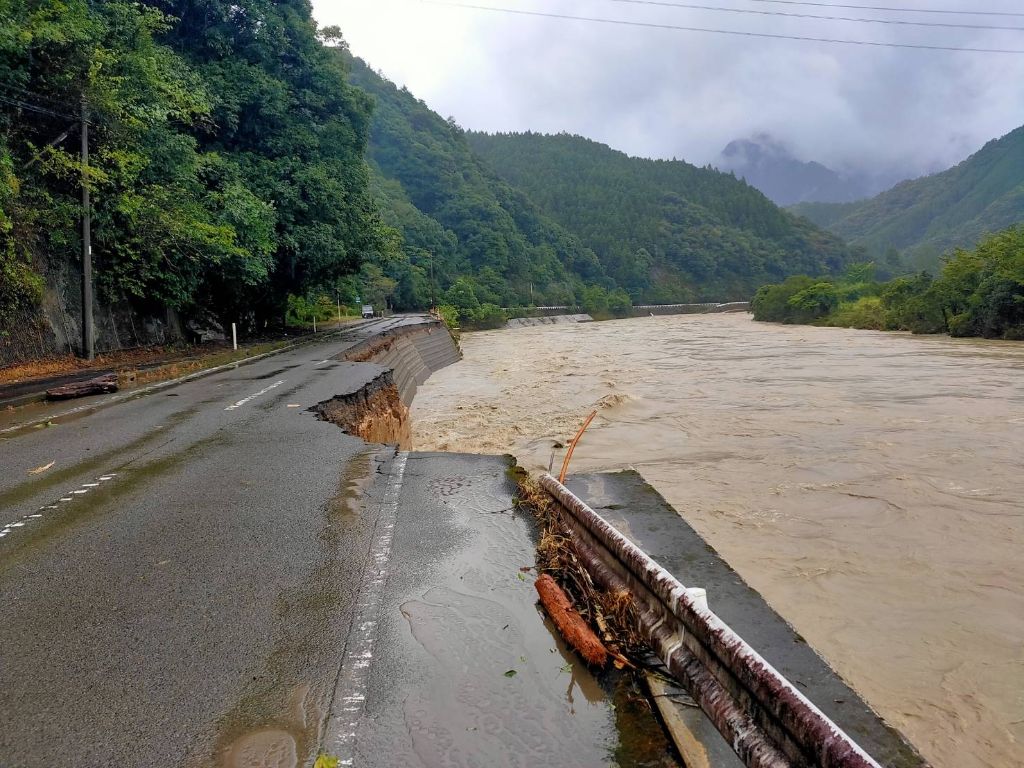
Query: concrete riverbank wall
x=396 y=362
x=411 y=352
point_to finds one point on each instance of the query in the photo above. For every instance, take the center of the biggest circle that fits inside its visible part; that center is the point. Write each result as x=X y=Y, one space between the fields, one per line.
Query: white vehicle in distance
x=367 y=310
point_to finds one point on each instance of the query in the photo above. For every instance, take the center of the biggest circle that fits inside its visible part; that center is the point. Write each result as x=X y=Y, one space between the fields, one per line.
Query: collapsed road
x=201 y=574
x=212 y=573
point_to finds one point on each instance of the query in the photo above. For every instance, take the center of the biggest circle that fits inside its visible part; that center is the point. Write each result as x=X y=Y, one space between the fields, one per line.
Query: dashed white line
x=72 y=495
x=253 y=396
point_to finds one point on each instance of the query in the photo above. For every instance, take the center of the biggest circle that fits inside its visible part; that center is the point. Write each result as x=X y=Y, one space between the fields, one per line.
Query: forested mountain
x=767 y=164
x=458 y=218
x=664 y=230
x=242 y=163
x=928 y=217
x=227 y=160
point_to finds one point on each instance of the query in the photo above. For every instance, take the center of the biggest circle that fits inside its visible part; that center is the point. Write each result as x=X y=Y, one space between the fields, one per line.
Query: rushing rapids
x=868 y=484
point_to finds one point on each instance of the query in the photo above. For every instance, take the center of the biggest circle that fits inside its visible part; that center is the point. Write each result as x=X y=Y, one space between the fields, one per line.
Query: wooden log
x=101 y=385
x=572 y=626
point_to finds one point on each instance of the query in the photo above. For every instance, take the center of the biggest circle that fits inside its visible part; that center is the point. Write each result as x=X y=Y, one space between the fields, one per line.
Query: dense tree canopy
x=925 y=218
x=227 y=153
x=978 y=293
x=666 y=231
x=458 y=219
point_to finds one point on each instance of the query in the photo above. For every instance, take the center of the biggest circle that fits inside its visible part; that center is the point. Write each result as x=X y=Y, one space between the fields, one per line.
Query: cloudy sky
x=671 y=93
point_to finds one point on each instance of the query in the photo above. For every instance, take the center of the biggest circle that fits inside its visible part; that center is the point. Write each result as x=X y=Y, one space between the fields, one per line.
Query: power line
x=1011 y=14
x=718 y=8
x=35 y=108
x=25 y=94
x=769 y=35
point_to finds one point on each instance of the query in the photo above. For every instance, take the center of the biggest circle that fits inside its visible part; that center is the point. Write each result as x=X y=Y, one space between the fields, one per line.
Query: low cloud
x=665 y=93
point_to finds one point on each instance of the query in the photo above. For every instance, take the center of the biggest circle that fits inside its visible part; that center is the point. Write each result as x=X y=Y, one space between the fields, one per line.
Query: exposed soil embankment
x=375 y=412
x=378 y=412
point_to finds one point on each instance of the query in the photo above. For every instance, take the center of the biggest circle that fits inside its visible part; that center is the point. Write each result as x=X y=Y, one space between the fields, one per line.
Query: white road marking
x=72 y=495
x=349 y=701
x=251 y=397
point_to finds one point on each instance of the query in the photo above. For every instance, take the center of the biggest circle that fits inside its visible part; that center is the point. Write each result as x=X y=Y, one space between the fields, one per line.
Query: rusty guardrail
x=765 y=719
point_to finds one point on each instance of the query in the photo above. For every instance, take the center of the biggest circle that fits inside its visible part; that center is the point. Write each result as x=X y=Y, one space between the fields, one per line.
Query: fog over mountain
x=769 y=165
x=664 y=93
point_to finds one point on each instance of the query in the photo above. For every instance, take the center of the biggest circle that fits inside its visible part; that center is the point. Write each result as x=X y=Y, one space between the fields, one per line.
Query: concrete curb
x=142 y=391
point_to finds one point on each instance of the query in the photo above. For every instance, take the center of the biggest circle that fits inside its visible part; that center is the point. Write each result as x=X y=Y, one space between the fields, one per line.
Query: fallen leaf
x=327 y=761
x=521 y=577
x=40 y=470
x=511 y=673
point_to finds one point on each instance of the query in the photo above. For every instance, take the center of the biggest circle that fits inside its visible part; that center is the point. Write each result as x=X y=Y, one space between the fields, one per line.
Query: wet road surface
x=181 y=575
x=207 y=575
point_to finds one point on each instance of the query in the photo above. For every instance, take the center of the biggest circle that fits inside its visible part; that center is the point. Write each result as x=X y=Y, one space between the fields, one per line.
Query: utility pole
x=433 y=298
x=87 y=345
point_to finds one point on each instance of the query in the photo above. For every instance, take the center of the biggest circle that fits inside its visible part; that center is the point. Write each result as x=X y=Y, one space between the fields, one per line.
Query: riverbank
x=867 y=484
x=978 y=293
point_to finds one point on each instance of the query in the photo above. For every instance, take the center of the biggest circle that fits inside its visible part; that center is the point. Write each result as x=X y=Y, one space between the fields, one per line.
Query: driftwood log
x=572 y=626
x=101 y=385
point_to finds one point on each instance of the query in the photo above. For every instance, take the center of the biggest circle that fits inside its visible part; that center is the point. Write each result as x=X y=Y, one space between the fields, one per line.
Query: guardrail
x=766 y=720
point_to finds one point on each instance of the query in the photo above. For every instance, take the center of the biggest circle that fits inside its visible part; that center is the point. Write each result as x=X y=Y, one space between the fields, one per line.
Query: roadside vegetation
x=978 y=292
x=462 y=303
x=244 y=165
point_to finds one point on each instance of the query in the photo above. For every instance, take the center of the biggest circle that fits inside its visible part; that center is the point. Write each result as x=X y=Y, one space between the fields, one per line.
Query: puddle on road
x=277 y=721
x=276 y=747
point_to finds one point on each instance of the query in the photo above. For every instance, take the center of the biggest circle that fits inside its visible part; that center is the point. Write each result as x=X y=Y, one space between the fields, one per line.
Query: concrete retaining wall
x=412 y=353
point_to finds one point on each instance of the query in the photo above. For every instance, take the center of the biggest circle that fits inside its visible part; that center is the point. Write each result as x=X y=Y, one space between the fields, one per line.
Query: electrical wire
x=755 y=12
x=24 y=94
x=737 y=33
x=35 y=108
x=891 y=9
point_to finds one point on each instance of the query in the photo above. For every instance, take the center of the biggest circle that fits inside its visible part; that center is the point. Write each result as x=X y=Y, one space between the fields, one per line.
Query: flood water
x=869 y=485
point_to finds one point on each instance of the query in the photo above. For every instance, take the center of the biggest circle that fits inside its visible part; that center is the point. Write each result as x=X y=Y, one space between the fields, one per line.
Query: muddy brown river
x=869 y=485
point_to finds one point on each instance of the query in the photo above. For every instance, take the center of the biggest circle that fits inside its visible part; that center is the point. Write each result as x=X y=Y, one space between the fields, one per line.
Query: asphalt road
x=182 y=573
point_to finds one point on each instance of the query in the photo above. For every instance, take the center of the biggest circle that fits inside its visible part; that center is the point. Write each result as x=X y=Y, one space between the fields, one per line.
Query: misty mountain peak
x=768 y=164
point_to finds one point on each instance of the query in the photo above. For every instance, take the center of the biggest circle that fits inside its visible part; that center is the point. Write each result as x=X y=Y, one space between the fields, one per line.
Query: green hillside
x=458 y=218
x=664 y=230
x=227 y=161
x=928 y=217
